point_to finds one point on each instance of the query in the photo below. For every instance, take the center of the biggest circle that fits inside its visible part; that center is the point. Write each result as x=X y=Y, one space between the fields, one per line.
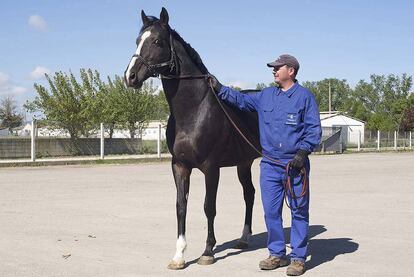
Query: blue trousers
x=272 y=190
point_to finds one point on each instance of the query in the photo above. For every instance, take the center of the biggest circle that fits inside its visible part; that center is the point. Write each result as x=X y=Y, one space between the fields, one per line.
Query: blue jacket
x=288 y=120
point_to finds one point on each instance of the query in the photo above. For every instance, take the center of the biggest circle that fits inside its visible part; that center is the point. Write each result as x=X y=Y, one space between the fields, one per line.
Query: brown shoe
x=296 y=268
x=272 y=262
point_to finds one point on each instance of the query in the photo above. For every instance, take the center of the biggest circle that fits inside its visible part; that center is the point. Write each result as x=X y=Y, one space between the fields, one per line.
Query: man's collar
x=290 y=91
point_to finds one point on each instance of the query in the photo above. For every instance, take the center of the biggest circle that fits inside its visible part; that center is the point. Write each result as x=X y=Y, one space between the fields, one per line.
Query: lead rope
x=287 y=183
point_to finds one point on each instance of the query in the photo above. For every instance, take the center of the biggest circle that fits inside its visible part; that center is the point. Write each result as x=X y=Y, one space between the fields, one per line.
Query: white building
x=351 y=127
x=26 y=129
x=149 y=133
x=152 y=130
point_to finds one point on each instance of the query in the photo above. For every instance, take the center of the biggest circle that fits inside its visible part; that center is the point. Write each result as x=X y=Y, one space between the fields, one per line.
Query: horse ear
x=144 y=17
x=164 y=16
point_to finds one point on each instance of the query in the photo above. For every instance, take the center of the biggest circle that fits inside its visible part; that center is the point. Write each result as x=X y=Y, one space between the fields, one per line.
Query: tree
x=92 y=87
x=135 y=107
x=388 y=97
x=260 y=86
x=340 y=93
x=236 y=88
x=380 y=121
x=9 y=117
x=381 y=102
x=407 y=122
x=362 y=102
x=161 y=109
x=67 y=104
x=110 y=106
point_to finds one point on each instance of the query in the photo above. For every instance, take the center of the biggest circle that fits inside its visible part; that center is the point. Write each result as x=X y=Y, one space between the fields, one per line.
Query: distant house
x=351 y=127
x=16 y=131
x=24 y=130
x=149 y=133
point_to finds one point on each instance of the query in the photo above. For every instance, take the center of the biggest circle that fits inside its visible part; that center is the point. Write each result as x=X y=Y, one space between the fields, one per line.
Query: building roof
x=326 y=115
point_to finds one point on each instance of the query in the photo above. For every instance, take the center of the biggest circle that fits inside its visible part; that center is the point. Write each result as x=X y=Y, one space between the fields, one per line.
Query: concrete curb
x=86 y=160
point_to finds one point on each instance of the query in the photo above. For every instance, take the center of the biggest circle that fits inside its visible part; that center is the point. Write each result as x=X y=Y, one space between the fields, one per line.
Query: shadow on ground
x=320 y=250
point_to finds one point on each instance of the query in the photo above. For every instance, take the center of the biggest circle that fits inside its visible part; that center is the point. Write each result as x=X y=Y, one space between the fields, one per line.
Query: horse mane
x=194 y=56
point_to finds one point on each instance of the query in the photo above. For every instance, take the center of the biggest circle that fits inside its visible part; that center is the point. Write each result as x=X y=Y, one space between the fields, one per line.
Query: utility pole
x=330 y=98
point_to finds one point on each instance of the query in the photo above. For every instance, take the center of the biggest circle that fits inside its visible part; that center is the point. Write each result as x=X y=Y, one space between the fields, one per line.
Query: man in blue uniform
x=290 y=129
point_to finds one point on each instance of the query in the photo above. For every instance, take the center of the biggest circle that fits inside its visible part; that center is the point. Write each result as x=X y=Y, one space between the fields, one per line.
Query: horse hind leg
x=182 y=182
x=211 y=180
x=245 y=177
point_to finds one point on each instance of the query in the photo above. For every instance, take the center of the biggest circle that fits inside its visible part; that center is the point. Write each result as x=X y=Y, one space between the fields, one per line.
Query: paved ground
x=119 y=220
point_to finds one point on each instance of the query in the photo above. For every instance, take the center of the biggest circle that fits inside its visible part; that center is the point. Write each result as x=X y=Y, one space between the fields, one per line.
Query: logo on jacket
x=291 y=119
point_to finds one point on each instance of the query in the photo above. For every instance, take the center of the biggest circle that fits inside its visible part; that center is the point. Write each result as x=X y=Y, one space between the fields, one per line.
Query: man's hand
x=215 y=83
x=299 y=160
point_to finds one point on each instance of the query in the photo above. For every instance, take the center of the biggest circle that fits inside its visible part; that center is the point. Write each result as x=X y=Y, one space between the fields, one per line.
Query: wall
x=55 y=147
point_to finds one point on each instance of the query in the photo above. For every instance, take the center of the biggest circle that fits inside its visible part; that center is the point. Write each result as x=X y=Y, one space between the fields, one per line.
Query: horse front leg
x=211 y=179
x=181 y=174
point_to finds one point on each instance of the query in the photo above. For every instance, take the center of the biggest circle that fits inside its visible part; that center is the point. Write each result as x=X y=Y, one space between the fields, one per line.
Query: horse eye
x=157 y=41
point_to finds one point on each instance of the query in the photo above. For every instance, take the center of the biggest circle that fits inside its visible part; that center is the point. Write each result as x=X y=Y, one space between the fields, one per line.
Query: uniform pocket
x=267 y=114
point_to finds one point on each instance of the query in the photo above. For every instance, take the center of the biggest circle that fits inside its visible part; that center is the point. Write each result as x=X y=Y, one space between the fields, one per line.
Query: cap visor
x=275 y=64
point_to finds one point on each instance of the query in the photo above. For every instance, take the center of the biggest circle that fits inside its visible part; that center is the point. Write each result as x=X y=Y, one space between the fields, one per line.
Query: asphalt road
x=119 y=220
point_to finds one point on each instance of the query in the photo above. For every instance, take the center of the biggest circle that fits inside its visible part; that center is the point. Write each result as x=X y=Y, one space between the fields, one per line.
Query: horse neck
x=184 y=96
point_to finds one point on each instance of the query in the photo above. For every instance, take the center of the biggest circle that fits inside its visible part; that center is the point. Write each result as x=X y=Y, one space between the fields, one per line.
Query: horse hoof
x=241 y=245
x=206 y=260
x=176 y=265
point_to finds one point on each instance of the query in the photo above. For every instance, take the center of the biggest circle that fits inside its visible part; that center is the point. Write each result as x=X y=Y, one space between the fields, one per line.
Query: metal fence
x=335 y=139
x=57 y=144
x=385 y=140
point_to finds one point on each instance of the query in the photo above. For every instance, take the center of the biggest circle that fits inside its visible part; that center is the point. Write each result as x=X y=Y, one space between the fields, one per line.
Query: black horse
x=199 y=135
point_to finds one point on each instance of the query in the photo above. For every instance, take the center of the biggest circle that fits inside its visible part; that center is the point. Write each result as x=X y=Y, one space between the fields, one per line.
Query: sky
x=331 y=39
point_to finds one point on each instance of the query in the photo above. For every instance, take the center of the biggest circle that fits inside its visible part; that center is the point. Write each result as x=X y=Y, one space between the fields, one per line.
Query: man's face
x=283 y=74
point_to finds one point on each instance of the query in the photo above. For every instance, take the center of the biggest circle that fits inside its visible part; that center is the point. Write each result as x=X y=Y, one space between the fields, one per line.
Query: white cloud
x=39 y=73
x=7 y=88
x=18 y=90
x=37 y=22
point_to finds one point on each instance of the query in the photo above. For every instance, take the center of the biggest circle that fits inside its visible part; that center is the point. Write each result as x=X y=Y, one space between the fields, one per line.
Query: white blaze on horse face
x=181 y=245
x=144 y=36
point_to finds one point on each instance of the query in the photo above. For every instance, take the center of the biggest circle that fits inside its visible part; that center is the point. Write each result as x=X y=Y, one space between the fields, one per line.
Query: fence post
x=405 y=140
x=359 y=140
x=159 y=142
x=33 y=141
x=378 y=140
x=102 y=141
x=395 y=140
x=411 y=144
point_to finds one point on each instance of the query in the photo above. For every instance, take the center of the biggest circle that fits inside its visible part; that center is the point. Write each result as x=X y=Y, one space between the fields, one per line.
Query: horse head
x=155 y=52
